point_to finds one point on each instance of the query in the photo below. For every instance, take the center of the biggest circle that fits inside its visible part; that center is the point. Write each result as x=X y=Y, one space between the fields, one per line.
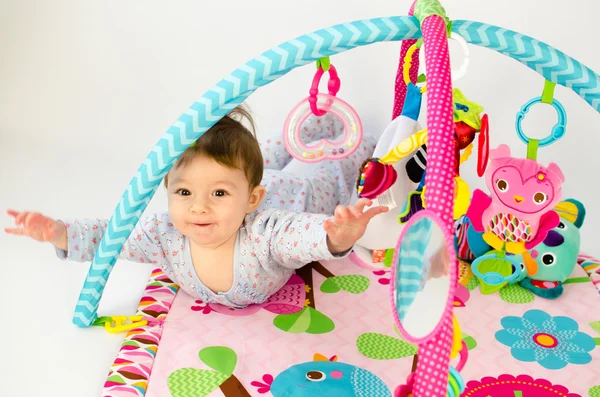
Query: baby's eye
x=220 y=193
x=183 y=192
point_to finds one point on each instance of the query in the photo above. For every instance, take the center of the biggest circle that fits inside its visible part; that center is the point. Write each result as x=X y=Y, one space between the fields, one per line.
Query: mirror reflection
x=422 y=278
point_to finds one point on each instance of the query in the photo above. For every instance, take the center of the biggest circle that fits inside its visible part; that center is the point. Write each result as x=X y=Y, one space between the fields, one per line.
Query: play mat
x=335 y=315
x=488 y=287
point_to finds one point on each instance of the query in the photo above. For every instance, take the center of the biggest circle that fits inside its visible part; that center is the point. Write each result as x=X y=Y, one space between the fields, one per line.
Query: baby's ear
x=256 y=197
x=555 y=169
x=501 y=151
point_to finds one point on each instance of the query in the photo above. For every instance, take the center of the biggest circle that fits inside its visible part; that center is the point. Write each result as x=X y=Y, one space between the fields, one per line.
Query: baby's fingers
x=342 y=213
x=361 y=204
x=372 y=212
x=15 y=231
x=12 y=213
x=329 y=226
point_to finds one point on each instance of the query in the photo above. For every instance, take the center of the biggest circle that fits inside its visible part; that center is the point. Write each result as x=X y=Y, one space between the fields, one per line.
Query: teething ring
x=324 y=148
x=559 y=129
x=495 y=278
x=462 y=71
x=333 y=85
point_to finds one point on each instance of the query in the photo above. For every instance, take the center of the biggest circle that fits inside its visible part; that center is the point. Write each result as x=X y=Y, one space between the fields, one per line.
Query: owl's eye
x=315 y=376
x=540 y=198
x=502 y=185
x=548 y=259
x=562 y=226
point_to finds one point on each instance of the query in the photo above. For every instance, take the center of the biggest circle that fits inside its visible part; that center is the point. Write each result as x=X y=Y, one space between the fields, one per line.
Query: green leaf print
x=516 y=294
x=307 y=320
x=383 y=347
x=353 y=283
x=220 y=358
x=191 y=382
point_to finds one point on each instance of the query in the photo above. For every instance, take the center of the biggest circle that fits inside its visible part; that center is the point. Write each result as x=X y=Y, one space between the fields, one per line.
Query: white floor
x=43 y=353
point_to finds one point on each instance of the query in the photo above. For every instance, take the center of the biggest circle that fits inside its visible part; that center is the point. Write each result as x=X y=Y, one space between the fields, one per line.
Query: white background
x=87 y=88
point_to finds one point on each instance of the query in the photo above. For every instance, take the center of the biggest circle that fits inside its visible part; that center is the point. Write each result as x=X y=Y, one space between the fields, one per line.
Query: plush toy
x=557 y=255
x=518 y=214
x=553 y=259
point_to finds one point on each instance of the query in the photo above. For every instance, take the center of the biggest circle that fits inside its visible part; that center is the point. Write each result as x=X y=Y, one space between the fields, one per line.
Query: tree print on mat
x=520 y=386
x=309 y=319
x=193 y=382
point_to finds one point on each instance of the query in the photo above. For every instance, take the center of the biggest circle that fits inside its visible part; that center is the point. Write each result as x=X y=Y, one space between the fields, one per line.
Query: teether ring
x=455 y=76
x=495 y=278
x=319 y=105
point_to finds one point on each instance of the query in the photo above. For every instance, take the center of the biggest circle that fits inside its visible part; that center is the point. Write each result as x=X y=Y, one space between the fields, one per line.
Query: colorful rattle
x=319 y=105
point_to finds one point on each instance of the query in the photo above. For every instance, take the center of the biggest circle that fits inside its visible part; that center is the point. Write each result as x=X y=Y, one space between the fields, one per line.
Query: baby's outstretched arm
x=39 y=227
x=349 y=224
x=78 y=240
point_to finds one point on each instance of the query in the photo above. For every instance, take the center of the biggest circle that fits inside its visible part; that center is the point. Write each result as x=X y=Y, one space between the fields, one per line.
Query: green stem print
x=192 y=382
x=594 y=391
x=309 y=319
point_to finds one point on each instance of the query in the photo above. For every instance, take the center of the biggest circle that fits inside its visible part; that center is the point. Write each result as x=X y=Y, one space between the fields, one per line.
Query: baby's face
x=208 y=201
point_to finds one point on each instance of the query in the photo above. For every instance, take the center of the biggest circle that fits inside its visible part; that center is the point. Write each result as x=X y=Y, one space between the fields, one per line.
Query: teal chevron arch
x=552 y=64
x=269 y=66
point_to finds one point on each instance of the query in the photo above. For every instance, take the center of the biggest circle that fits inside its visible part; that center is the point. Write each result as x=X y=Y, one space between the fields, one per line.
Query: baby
x=223 y=239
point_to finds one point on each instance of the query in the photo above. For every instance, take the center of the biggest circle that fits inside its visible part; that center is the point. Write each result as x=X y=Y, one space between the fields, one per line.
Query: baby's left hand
x=349 y=224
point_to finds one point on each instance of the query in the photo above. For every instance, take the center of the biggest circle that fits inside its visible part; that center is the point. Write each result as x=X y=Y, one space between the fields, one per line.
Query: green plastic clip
x=548 y=93
x=325 y=63
x=532 y=148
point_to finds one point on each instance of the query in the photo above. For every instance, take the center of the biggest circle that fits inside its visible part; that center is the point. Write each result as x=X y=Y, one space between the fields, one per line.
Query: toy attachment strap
x=532 y=148
x=324 y=63
x=115 y=324
x=559 y=129
x=333 y=85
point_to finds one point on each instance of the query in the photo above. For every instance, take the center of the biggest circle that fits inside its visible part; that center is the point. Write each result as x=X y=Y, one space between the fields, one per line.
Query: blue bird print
x=327 y=377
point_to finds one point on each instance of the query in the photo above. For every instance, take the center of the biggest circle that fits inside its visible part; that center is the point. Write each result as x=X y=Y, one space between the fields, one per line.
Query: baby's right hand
x=39 y=227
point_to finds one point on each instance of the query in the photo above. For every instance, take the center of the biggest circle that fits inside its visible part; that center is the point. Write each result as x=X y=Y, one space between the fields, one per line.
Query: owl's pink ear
x=500 y=152
x=555 y=169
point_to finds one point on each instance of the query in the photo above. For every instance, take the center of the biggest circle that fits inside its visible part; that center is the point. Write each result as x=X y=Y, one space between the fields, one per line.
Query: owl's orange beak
x=519 y=199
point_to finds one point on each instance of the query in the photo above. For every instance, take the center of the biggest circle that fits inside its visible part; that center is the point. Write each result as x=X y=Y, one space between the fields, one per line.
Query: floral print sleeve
x=292 y=239
x=146 y=243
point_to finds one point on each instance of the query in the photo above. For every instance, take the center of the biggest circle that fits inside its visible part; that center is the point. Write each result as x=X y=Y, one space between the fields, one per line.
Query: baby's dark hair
x=230 y=144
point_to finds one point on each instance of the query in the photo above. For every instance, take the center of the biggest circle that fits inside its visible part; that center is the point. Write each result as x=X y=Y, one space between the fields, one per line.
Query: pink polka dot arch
x=426 y=20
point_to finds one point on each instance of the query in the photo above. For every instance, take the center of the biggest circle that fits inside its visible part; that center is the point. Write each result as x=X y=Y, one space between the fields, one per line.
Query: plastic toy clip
x=116 y=324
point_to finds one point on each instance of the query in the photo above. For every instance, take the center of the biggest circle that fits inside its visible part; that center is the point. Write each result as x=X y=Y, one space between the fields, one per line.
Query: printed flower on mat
x=553 y=342
x=522 y=385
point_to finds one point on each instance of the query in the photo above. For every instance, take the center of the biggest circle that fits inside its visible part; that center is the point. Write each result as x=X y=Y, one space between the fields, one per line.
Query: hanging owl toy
x=519 y=212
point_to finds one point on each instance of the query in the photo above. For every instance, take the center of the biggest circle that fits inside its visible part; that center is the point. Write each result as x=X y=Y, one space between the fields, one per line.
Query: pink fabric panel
x=400 y=88
x=431 y=379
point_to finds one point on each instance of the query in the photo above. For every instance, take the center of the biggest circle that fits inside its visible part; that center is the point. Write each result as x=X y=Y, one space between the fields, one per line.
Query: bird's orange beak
x=519 y=199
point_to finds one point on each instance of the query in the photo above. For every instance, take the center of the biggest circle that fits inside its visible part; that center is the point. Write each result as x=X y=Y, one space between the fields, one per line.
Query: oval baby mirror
x=422 y=268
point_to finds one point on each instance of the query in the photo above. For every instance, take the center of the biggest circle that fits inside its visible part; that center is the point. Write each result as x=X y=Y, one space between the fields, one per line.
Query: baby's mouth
x=203 y=224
